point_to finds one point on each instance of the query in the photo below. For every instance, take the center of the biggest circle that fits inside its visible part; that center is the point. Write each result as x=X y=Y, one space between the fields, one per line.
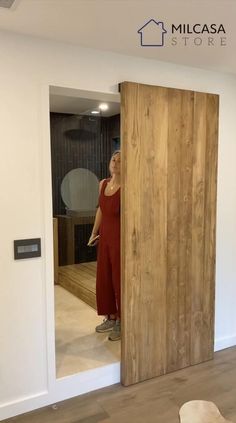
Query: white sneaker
x=115 y=335
x=106 y=325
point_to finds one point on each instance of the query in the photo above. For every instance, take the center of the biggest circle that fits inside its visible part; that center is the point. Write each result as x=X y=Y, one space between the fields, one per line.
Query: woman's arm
x=98 y=217
x=97 y=222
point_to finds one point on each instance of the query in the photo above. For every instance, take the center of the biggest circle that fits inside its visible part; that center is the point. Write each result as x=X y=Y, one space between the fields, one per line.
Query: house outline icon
x=157 y=31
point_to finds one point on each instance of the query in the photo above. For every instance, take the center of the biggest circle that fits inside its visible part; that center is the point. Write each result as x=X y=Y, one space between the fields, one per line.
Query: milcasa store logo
x=154 y=34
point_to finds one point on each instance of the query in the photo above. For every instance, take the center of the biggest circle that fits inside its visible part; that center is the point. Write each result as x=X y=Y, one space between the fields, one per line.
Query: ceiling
x=112 y=25
x=81 y=102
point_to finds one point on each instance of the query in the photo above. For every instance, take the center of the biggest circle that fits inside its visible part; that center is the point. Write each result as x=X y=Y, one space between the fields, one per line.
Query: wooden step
x=80 y=280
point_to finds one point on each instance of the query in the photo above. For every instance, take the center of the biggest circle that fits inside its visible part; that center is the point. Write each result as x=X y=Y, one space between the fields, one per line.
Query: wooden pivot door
x=169 y=168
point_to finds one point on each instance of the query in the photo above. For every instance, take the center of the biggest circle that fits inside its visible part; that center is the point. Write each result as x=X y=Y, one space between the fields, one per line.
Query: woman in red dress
x=107 y=225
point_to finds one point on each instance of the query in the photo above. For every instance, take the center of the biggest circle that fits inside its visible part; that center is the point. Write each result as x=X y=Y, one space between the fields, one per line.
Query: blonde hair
x=115 y=152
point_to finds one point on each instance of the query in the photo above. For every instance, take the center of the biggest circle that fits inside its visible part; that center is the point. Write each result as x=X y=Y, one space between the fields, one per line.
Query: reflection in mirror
x=82 y=144
x=79 y=192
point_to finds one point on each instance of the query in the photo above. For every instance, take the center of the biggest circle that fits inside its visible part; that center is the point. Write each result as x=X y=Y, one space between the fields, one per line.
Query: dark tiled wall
x=80 y=141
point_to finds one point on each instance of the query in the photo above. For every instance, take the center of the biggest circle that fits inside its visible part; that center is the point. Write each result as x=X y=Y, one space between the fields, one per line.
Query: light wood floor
x=154 y=401
x=80 y=280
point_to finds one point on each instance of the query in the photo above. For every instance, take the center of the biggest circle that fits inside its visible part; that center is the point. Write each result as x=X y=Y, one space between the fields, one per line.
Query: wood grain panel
x=204 y=222
x=185 y=228
x=153 y=186
x=173 y=221
x=178 y=301
x=210 y=225
x=168 y=228
x=131 y=248
x=144 y=233
x=198 y=225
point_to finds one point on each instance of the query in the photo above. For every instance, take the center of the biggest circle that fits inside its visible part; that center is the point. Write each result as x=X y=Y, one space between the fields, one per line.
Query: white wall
x=28 y=67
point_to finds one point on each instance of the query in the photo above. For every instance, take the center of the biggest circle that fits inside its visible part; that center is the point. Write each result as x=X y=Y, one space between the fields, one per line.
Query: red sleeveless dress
x=108 y=259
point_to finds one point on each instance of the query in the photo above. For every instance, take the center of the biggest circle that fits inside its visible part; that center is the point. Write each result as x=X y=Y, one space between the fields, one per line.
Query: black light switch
x=27 y=248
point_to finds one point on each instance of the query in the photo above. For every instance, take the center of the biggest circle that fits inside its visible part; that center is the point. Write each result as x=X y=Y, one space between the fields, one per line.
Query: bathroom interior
x=84 y=131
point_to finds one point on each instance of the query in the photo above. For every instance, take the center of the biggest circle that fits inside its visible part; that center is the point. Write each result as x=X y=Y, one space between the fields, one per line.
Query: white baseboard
x=225 y=342
x=64 y=388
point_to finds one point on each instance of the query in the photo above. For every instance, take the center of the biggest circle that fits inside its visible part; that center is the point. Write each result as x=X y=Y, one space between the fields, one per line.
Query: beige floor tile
x=78 y=346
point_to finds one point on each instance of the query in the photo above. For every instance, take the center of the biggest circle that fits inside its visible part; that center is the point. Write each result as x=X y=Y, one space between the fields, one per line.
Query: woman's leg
x=106 y=299
x=115 y=335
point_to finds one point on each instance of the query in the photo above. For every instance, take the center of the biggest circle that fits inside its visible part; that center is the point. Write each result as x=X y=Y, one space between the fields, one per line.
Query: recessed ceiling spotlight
x=103 y=106
x=95 y=112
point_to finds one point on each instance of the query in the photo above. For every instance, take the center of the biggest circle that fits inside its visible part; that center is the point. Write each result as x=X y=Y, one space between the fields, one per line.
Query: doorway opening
x=84 y=135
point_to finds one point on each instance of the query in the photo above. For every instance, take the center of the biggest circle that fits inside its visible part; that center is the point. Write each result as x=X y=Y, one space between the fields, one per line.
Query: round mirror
x=79 y=190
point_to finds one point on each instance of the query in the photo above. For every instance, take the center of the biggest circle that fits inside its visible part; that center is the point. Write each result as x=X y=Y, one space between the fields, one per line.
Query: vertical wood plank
x=178 y=302
x=198 y=224
x=153 y=235
x=173 y=221
x=210 y=227
x=144 y=177
x=130 y=229
x=185 y=228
